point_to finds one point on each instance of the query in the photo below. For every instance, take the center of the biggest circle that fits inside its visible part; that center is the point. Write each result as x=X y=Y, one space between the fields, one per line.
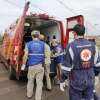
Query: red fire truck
x=19 y=33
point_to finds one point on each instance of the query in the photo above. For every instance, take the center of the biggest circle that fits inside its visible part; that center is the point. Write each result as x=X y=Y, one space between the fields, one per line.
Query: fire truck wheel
x=12 y=73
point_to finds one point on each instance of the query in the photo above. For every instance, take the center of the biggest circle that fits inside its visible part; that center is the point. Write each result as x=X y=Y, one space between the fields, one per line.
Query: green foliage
x=98 y=42
x=1 y=39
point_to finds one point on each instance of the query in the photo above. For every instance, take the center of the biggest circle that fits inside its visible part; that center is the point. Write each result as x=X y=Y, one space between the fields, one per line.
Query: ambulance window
x=71 y=37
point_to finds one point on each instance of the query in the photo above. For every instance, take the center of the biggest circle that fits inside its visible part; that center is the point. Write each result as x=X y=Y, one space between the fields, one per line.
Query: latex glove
x=23 y=67
x=62 y=86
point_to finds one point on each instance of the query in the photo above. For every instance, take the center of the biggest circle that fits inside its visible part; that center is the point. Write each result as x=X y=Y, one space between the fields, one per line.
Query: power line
x=70 y=9
x=5 y=15
x=13 y=4
x=93 y=26
x=63 y=4
x=33 y=5
x=36 y=6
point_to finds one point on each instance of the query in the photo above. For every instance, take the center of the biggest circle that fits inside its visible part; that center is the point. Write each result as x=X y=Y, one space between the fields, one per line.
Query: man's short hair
x=35 y=33
x=79 y=29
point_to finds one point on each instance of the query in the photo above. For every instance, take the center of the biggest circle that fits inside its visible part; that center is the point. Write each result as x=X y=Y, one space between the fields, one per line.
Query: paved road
x=16 y=90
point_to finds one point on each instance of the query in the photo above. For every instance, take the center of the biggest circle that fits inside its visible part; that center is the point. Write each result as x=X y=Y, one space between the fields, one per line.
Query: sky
x=11 y=9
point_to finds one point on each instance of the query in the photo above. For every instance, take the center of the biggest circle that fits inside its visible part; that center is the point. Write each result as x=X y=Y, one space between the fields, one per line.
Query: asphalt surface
x=16 y=90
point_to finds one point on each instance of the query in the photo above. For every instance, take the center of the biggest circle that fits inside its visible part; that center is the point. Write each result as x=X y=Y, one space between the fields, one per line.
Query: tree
x=1 y=39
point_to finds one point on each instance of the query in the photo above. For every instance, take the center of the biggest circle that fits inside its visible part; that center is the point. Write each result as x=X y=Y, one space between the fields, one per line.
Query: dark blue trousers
x=87 y=94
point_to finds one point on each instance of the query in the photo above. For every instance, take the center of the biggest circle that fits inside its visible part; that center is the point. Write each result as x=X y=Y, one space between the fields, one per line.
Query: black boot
x=96 y=97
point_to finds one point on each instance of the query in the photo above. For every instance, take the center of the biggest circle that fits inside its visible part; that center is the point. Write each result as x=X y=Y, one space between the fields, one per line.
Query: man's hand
x=23 y=67
x=62 y=86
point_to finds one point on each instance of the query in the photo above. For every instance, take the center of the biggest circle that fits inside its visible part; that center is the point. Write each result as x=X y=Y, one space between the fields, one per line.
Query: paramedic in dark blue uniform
x=96 y=71
x=81 y=55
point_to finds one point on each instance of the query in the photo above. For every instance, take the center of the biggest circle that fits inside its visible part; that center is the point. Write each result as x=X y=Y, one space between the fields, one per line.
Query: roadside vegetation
x=98 y=42
x=1 y=39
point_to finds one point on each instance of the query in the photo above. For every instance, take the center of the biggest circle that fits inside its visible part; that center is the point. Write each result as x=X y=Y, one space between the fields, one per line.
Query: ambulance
x=19 y=33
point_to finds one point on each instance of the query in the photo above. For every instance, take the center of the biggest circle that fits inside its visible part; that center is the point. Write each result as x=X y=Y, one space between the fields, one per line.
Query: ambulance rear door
x=71 y=22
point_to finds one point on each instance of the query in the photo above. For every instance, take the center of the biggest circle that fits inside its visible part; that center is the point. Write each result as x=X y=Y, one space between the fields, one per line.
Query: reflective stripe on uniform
x=71 y=53
x=79 y=46
x=96 y=55
x=35 y=54
x=56 y=55
x=66 y=68
x=72 y=57
x=97 y=65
